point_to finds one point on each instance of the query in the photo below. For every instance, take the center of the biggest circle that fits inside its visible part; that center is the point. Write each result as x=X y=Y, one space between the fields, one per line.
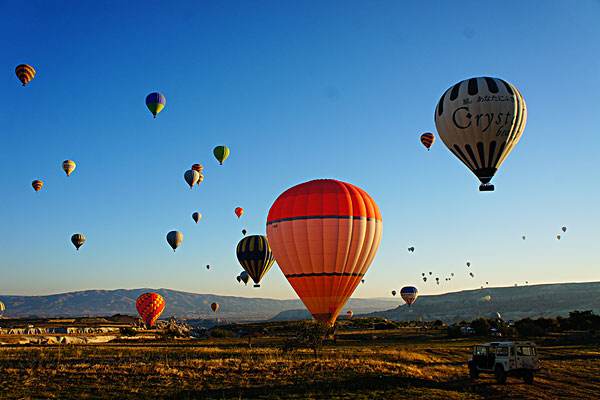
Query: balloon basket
x=257 y=285
x=486 y=187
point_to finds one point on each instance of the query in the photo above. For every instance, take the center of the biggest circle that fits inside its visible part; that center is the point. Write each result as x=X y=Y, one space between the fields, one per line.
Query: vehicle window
x=480 y=351
x=524 y=351
x=502 y=351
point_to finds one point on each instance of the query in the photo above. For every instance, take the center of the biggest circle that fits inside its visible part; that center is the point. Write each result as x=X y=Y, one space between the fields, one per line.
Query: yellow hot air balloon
x=37 y=185
x=69 y=166
x=324 y=235
x=78 y=239
x=481 y=120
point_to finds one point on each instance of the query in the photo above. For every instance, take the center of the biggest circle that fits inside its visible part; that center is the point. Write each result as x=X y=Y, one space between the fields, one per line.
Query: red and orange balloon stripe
x=427 y=139
x=324 y=235
x=25 y=73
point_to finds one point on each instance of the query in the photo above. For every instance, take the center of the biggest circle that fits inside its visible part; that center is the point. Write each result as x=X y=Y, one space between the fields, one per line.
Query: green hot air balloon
x=221 y=153
x=255 y=256
x=174 y=238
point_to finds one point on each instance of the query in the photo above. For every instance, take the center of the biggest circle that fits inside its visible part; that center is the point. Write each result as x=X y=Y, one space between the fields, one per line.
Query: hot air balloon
x=69 y=166
x=393 y=293
x=214 y=307
x=349 y=314
x=481 y=120
x=468 y=264
x=558 y=237
x=409 y=294
x=244 y=277
x=25 y=73
x=150 y=306
x=430 y=273
x=191 y=177
x=37 y=185
x=197 y=167
x=486 y=282
x=564 y=229
x=437 y=280
x=239 y=279
x=523 y=237
x=155 y=103
x=196 y=216
x=255 y=256
x=452 y=274
x=239 y=211
x=361 y=281
x=527 y=282
x=244 y=232
x=78 y=239
x=486 y=298
x=221 y=153
x=422 y=273
x=207 y=266
x=424 y=279
x=2 y=308
x=411 y=249
x=472 y=275
x=174 y=238
x=427 y=139
x=324 y=235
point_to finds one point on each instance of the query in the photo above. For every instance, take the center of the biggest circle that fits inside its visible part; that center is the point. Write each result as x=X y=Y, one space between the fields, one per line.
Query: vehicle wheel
x=500 y=374
x=528 y=377
x=473 y=372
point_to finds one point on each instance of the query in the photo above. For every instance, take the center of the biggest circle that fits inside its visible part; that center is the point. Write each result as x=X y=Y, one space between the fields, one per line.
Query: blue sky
x=297 y=90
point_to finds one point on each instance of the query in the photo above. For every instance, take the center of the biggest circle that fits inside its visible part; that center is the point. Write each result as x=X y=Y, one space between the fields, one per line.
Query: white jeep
x=504 y=359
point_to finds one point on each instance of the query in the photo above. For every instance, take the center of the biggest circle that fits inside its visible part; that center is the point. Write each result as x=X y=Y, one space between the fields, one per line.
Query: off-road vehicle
x=505 y=359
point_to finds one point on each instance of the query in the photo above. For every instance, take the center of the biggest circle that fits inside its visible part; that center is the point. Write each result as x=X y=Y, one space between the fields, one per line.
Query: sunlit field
x=398 y=363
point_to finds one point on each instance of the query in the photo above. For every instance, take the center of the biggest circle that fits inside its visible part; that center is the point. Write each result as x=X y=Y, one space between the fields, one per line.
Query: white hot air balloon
x=481 y=120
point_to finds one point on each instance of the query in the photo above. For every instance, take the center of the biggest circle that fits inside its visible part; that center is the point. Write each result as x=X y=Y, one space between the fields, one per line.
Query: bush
x=481 y=326
x=310 y=335
x=527 y=327
x=221 y=333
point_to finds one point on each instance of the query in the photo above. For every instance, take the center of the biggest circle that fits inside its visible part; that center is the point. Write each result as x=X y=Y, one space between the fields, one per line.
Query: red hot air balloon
x=150 y=306
x=324 y=235
x=239 y=211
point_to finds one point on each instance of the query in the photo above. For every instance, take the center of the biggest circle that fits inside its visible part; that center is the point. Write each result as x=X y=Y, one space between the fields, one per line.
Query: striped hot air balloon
x=481 y=120
x=255 y=256
x=37 y=185
x=150 y=306
x=427 y=139
x=78 y=239
x=69 y=166
x=2 y=308
x=25 y=73
x=155 y=102
x=409 y=294
x=214 y=307
x=324 y=235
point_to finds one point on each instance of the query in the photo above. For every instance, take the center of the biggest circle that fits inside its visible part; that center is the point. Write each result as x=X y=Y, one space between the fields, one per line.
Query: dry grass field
x=361 y=365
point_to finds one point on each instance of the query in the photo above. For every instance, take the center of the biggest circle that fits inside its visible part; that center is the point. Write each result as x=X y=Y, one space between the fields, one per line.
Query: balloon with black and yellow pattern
x=481 y=120
x=25 y=73
x=255 y=256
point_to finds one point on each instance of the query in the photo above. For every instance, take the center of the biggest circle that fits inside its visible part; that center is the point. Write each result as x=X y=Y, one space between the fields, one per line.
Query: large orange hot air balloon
x=324 y=235
x=239 y=211
x=150 y=306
